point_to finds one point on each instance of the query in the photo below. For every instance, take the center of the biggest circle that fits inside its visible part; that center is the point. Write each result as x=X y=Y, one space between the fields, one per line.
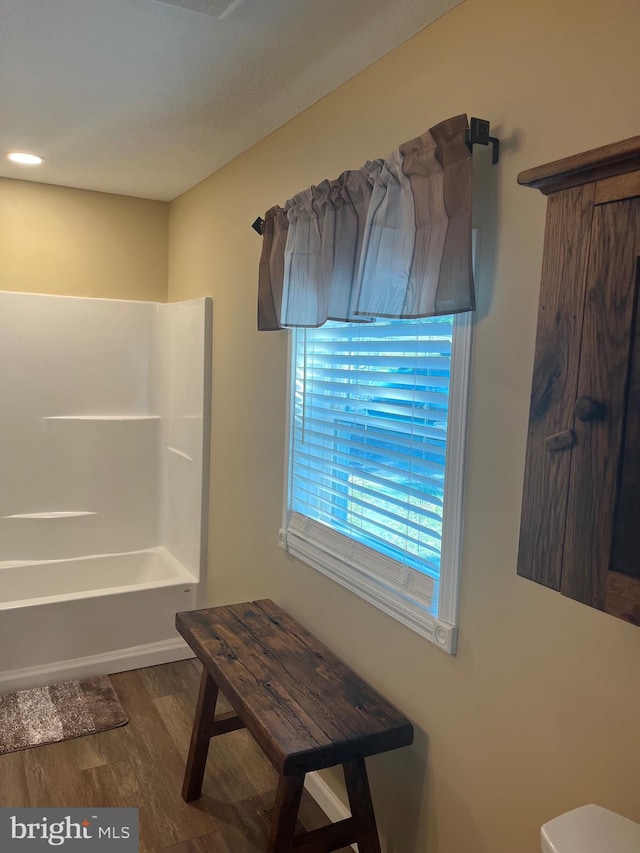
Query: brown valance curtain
x=392 y=239
x=271 y=273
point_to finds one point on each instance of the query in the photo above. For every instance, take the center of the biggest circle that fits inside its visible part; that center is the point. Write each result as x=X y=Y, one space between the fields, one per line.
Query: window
x=375 y=474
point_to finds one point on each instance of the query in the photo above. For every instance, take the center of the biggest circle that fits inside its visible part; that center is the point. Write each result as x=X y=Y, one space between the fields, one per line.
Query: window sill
x=442 y=634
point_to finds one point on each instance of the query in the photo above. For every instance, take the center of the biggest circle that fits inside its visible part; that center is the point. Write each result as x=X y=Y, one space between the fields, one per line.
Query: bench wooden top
x=304 y=706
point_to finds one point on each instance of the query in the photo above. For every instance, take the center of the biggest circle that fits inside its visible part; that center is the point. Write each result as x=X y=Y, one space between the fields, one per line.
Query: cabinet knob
x=588 y=409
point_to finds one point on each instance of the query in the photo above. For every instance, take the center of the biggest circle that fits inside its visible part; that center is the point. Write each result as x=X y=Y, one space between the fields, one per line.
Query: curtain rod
x=478 y=133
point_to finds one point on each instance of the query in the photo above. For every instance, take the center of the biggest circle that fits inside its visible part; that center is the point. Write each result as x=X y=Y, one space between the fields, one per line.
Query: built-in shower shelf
x=180 y=453
x=41 y=515
x=102 y=418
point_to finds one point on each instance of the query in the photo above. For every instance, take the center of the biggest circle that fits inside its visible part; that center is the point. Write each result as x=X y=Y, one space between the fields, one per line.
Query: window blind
x=368 y=448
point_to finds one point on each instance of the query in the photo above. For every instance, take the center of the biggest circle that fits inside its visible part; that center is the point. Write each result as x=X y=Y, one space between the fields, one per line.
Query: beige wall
x=540 y=710
x=79 y=243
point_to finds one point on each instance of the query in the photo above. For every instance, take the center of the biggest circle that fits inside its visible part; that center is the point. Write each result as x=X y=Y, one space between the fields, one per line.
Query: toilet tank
x=590 y=829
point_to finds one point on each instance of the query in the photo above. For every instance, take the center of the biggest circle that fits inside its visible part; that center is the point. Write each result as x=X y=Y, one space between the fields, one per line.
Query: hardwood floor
x=142 y=765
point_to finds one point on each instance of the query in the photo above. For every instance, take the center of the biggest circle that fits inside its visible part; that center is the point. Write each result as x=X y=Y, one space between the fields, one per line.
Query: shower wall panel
x=101 y=427
x=77 y=435
x=182 y=389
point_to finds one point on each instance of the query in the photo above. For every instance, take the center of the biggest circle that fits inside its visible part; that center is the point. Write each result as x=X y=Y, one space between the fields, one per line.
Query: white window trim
x=333 y=561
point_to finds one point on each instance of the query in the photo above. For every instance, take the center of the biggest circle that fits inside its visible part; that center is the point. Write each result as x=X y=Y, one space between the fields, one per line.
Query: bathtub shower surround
x=104 y=442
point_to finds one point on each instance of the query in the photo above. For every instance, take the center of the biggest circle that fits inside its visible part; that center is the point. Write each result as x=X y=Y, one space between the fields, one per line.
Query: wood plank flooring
x=142 y=764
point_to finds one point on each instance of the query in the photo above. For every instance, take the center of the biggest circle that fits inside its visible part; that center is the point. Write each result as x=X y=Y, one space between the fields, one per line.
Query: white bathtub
x=90 y=615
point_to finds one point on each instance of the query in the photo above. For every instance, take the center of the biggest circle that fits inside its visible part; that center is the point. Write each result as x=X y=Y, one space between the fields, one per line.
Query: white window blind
x=370 y=453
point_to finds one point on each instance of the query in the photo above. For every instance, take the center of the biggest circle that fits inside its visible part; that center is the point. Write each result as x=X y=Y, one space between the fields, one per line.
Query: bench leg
x=200 y=737
x=355 y=775
x=285 y=814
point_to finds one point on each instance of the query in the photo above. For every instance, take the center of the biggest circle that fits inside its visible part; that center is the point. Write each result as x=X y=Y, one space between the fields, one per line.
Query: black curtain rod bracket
x=477 y=134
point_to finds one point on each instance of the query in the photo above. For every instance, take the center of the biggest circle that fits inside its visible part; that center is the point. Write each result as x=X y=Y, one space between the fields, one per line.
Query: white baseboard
x=329 y=802
x=119 y=660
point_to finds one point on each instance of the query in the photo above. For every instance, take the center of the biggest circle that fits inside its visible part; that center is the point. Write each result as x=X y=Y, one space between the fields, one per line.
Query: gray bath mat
x=58 y=712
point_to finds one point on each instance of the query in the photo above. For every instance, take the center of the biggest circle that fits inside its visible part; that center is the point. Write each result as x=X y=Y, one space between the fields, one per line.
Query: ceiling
x=144 y=98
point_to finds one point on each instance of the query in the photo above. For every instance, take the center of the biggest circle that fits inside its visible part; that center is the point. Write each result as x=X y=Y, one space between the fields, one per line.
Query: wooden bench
x=306 y=709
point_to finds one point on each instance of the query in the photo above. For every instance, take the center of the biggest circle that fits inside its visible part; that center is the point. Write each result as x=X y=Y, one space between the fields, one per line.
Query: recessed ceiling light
x=24 y=159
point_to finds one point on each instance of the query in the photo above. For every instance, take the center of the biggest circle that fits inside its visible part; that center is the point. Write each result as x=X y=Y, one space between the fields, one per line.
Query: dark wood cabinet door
x=606 y=347
x=623 y=581
x=555 y=384
x=580 y=523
